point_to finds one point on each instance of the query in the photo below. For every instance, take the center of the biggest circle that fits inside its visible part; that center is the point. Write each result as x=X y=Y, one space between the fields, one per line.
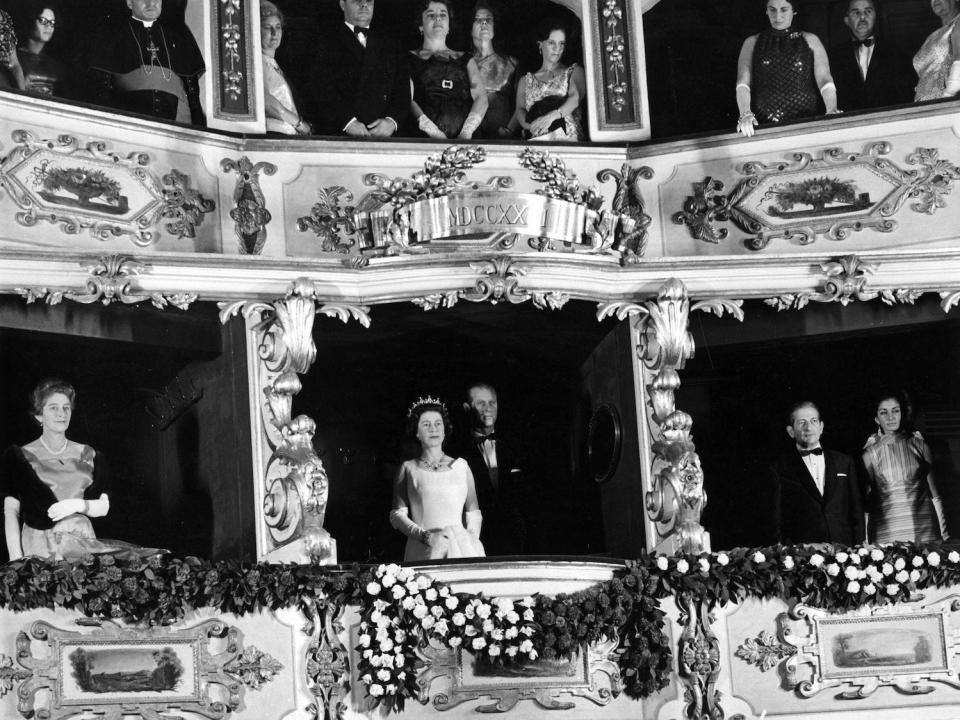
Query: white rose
x=841 y=557
x=398 y=591
x=816 y=559
x=386 y=661
x=375 y=661
x=504 y=605
x=459 y=618
x=400 y=635
x=423 y=581
x=855 y=559
x=917 y=561
x=436 y=611
x=528 y=615
x=388 y=581
x=933 y=559
x=373 y=588
x=528 y=601
x=469 y=631
x=870 y=589
x=412 y=587
x=494 y=650
x=403 y=573
x=479 y=643
x=391 y=689
x=853 y=587
x=440 y=627
x=383 y=675
x=386 y=645
x=428 y=622
x=893 y=589
x=704 y=565
x=526 y=646
x=364 y=640
x=876 y=555
x=401 y=675
x=526 y=630
x=512 y=617
x=512 y=650
x=900 y=563
x=662 y=562
x=431 y=594
x=788 y=563
x=759 y=557
x=851 y=573
x=454 y=642
x=723 y=558
x=953 y=556
x=511 y=633
x=483 y=610
x=366 y=679
x=497 y=634
x=444 y=591
x=914 y=575
x=420 y=612
x=682 y=566
x=487 y=626
x=887 y=569
x=376 y=690
x=451 y=602
x=368 y=653
x=532 y=654
x=833 y=569
x=408 y=603
x=902 y=576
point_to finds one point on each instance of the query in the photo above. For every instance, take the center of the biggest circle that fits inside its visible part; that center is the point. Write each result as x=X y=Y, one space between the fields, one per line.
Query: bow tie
x=357 y=30
x=483 y=438
x=811 y=451
x=857 y=43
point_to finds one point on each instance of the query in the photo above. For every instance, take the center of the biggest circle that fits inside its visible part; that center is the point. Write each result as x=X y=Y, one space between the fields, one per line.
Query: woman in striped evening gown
x=902 y=499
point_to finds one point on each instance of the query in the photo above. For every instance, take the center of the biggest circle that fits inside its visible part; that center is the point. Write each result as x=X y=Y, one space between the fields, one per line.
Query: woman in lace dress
x=902 y=500
x=449 y=100
x=434 y=498
x=548 y=100
x=937 y=62
x=782 y=72
x=498 y=74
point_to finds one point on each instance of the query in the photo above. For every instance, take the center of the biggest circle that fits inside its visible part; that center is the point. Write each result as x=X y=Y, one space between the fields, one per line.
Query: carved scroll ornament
x=249 y=213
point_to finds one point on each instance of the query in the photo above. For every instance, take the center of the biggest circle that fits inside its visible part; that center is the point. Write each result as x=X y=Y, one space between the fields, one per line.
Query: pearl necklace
x=51 y=450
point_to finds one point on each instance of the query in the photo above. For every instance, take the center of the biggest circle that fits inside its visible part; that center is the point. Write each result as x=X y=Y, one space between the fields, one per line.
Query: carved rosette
x=249 y=212
x=112 y=279
x=295 y=485
x=328 y=662
x=676 y=498
x=698 y=660
x=183 y=206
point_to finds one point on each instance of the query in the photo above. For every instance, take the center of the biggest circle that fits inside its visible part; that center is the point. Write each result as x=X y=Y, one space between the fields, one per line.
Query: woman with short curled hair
x=434 y=498
x=279 y=105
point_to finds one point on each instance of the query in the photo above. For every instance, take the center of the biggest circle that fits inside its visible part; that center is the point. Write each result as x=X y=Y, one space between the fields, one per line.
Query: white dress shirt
x=816 y=466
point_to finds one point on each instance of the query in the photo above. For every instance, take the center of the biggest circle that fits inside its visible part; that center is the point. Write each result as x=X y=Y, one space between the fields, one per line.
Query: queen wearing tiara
x=434 y=498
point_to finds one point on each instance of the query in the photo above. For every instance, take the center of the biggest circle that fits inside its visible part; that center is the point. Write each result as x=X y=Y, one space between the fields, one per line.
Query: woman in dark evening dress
x=782 y=72
x=498 y=74
x=54 y=486
x=43 y=75
x=448 y=97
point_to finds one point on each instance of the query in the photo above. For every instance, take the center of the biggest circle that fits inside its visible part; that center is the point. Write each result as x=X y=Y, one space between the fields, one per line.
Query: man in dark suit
x=817 y=493
x=495 y=464
x=869 y=71
x=360 y=86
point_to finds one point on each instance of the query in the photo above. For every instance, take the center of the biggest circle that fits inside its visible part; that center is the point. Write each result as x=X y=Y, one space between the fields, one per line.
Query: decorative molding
x=183 y=206
x=632 y=230
x=328 y=661
x=498 y=281
x=82 y=188
x=872 y=190
x=676 y=498
x=253 y=668
x=64 y=673
x=949 y=299
x=10 y=674
x=906 y=648
x=844 y=281
x=592 y=674
x=249 y=213
x=614 y=36
x=112 y=279
x=698 y=660
x=326 y=215
x=613 y=33
x=295 y=483
x=234 y=96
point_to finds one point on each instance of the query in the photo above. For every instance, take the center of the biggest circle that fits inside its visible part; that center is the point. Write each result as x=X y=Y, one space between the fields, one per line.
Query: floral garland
x=402 y=611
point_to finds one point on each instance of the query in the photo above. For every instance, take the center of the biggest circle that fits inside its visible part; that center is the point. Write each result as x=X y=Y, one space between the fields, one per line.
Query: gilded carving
x=10 y=674
x=676 y=498
x=765 y=651
x=832 y=195
x=632 y=231
x=111 y=279
x=613 y=52
x=328 y=665
x=327 y=215
x=252 y=667
x=82 y=188
x=844 y=281
x=183 y=205
x=699 y=660
x=249 y=212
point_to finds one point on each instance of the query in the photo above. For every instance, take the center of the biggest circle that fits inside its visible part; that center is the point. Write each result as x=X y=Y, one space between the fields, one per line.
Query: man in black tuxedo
x=495 y=464
x=360 y=85
x=817 y=493
x=869 y=71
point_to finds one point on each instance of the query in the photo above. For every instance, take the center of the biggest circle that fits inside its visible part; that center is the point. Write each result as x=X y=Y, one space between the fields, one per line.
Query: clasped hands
x=542 y=124
x=382 y=127
x=64 y=508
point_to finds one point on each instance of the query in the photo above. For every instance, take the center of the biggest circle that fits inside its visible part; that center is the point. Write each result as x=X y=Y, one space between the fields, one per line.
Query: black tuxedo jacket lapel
x=349 y=43
x=802 y=475
x=830 y=480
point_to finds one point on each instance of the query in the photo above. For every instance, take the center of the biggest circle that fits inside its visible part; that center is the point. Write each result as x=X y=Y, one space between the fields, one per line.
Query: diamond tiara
x=428 y=400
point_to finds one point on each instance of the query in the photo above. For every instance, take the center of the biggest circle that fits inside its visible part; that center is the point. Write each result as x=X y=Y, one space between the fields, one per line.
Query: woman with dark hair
x=497 y=73
x=54 y=485
x=548 y=100
x=782 y=72
x=937 y=62
x=279 y=105
x=902 y=500
x=434 y=498
x=449 y=100
x=43 y=75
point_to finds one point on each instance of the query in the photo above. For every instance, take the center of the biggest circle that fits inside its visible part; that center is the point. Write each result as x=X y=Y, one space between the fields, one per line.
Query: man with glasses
x=817 y=496
x=868 y=70
x=359 y=85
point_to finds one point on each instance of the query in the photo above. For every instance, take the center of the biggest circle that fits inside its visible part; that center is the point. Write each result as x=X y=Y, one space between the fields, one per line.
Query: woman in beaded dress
x=434 y=497
x=782 y=72
x=11 y=74
x=54 y=486
x=498 y=75
x=937 y=62
x=43 y=75
x=902 y=500
x=548 y=100
x=279 y=105
x=449 y=100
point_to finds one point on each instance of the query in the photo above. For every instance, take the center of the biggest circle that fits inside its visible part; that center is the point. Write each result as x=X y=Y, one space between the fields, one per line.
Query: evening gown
x=441 y=87
x=38 y=478
x=43 y=74
x=498 y=75
x=276 y=85
x=784 y=86
x=437 y=499
x=932 y=63
x=901 y=504
x=555 y=89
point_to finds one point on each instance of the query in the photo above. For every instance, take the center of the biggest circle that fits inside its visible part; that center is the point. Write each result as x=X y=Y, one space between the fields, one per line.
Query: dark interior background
x=745 y=377
x=162 y=396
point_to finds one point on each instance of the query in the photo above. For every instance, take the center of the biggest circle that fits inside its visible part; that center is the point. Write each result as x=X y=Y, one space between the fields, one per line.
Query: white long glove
x=430 y=128
x=400 y=519
x=470 y=126
x=474 y=522
x=953 y=80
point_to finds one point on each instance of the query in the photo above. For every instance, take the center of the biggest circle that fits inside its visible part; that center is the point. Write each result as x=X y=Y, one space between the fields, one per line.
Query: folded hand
x=64 y=508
